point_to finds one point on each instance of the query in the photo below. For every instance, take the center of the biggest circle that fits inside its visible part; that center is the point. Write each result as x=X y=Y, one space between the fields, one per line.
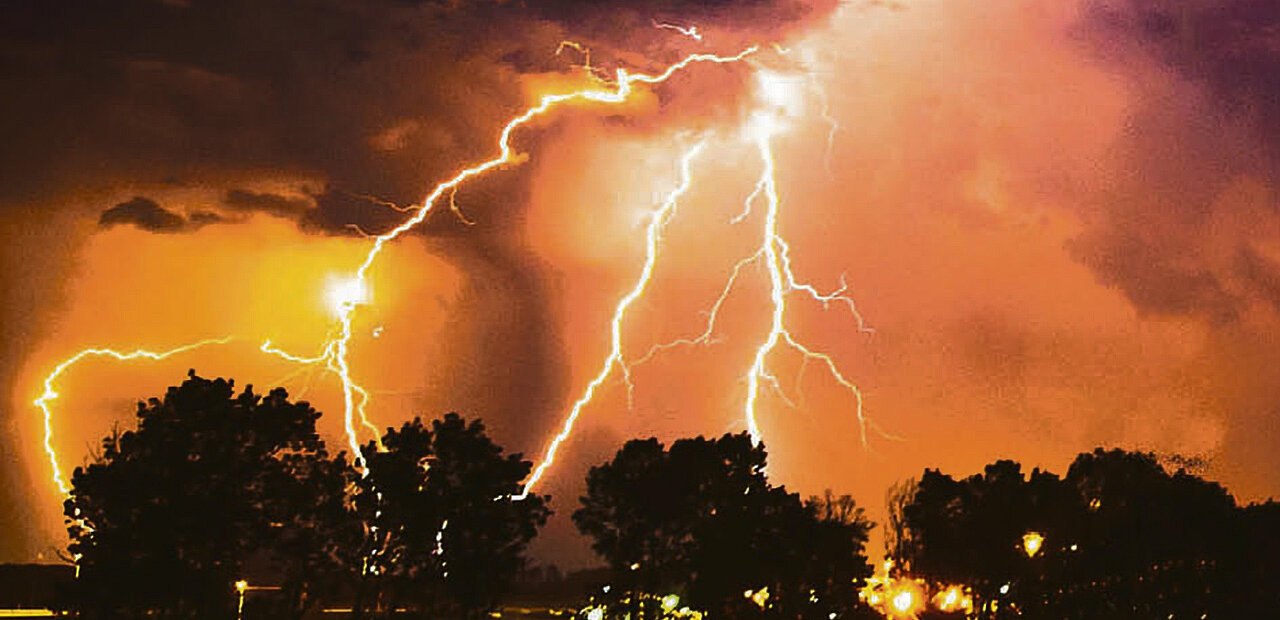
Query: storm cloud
x=146 y=214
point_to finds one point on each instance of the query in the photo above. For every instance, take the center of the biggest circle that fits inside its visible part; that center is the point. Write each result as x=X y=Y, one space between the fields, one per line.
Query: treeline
x=171 y=518
x=1118 y=536
x=222 y=504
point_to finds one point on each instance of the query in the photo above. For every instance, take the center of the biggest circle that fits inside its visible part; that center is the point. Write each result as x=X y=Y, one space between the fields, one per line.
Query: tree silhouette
x=702 y=521
x=1122 y=538
x=167 y=517
x=446 y=535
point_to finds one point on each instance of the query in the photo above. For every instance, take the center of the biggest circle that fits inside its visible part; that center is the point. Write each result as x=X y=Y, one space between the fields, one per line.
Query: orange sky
x=988 y=179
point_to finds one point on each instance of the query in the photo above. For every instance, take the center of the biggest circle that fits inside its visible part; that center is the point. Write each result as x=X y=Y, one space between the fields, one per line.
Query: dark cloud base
x=147 y=215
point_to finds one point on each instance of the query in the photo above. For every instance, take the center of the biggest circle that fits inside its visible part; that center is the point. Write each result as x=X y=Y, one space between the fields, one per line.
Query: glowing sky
x=1059 y=218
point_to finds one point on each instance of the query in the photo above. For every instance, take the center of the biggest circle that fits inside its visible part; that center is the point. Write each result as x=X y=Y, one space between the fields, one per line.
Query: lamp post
x=241 y=587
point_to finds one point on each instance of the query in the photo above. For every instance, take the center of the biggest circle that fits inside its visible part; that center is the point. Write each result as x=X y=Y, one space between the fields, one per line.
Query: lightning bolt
x=653 y=233
x=618 y=91
x=45 y=401
x=689 y=31
x=335 y=352
x=773 y=253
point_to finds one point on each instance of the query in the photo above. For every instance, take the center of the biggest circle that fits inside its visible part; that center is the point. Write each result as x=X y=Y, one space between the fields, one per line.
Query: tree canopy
x=446 y=533
x=1117 y=537
x=169 y=515
x=214 y=487
x=702 y=521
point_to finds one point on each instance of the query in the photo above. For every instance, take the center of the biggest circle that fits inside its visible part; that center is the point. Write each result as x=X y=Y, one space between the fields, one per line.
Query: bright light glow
x=1031 y=543
x=343 y=294
x=782 y=92
x=893 y=597
x=953 y=598
x=903 y=601
x=242 y=585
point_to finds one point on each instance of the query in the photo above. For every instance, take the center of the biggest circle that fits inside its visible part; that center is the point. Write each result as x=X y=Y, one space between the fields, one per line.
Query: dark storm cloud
x=1262 y=274
x=265 y=202
x=771 y=17
x=1231 y=46
x=330 y=212
x=1206 y=79
x=102 y=92
x=336 y=212
x=375 y=98
x=146 y=214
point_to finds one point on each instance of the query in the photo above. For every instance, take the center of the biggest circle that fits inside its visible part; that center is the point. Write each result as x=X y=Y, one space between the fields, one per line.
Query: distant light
x=1031 y=543
x=953 y=598
x=669 y=602
x=903 y=601
x=1004 y=589
x=906 y=599
x=759 y=597
x=242 y=585
x=596 y=613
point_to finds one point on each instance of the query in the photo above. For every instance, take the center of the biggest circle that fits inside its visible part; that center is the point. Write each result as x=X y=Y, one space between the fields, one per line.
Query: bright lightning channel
x=688 y=31
x=775 y=253
x=653 y=233
x=50 y=394
x=622 y=88
x=779 y=94
x=353 y=293
x=347 y=295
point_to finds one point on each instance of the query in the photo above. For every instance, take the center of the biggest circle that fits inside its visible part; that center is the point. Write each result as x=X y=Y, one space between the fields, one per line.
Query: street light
x=241 y=586
x=1031 y=543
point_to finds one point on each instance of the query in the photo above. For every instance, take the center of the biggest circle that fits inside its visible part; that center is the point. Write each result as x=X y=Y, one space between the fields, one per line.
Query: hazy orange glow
x=931 y=172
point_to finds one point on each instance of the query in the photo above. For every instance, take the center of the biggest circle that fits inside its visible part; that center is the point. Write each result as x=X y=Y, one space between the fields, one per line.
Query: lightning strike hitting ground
x=774 y=252
x=652 y=235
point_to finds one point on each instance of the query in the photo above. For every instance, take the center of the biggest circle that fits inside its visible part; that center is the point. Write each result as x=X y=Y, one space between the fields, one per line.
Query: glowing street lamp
x=241 y=587
x=1031 y=543
x=905 y=599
